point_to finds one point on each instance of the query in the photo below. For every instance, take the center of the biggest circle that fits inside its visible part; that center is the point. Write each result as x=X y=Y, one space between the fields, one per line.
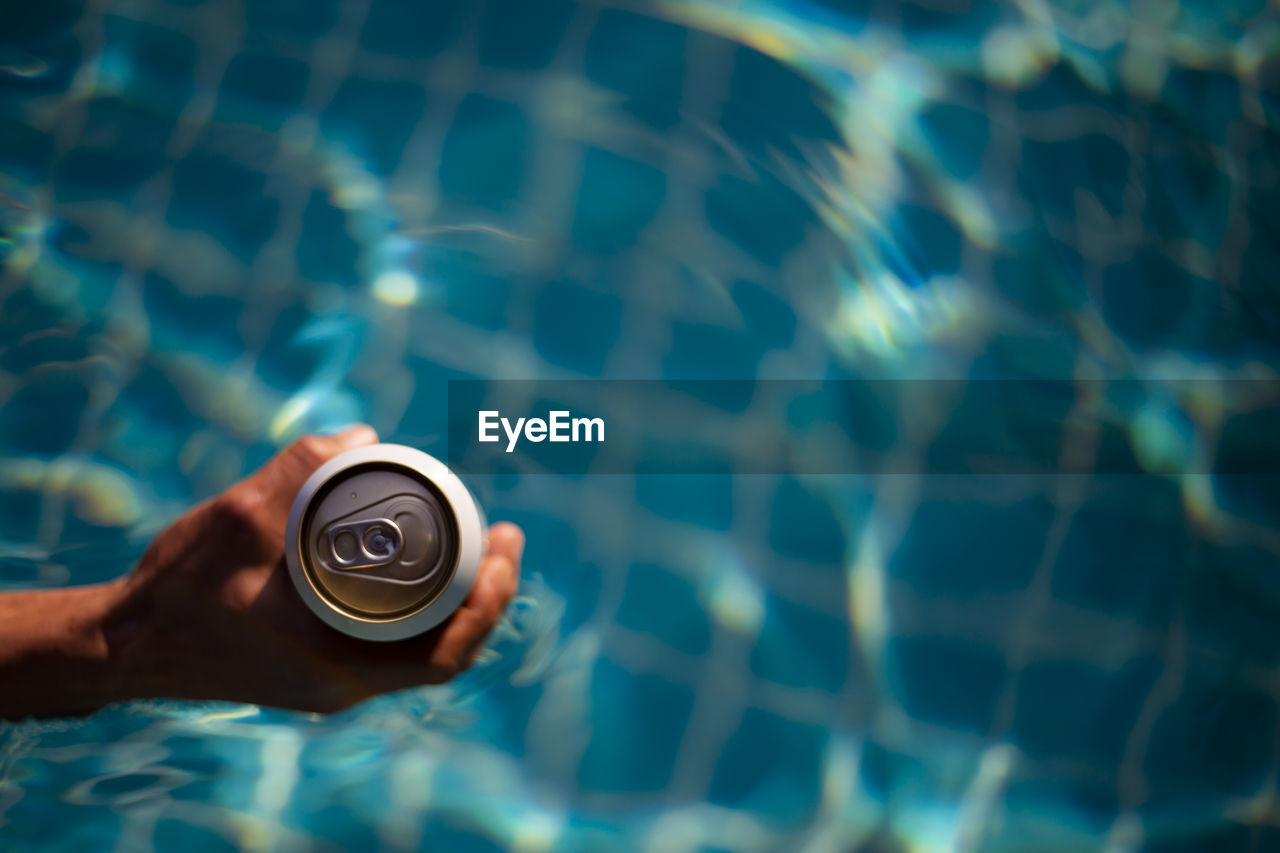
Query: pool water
x=225 y=224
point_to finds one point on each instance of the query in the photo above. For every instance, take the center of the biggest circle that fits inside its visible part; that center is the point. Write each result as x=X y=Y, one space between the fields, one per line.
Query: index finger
x=277 y=482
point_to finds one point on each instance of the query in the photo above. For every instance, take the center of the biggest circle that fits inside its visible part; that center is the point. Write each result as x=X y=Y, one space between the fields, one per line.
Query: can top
x=379 y=541
x=383 y=542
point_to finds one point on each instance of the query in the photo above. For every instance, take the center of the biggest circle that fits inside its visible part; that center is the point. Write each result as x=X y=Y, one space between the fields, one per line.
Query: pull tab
x=364 y=544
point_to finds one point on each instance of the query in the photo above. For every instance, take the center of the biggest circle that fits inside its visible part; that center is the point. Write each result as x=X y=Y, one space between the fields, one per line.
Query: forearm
x=54 y=656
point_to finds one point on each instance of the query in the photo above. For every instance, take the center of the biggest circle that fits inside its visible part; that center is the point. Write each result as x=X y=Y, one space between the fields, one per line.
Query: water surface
x=225 y=224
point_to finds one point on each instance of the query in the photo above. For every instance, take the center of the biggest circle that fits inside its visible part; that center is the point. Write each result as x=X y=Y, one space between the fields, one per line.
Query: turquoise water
x=225 y=224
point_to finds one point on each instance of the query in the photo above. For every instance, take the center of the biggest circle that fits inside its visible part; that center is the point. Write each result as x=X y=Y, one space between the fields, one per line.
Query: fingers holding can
x=280 y=479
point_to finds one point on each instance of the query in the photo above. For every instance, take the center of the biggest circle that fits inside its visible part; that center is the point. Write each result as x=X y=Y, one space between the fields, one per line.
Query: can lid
x=383 y=542
x=379 y=541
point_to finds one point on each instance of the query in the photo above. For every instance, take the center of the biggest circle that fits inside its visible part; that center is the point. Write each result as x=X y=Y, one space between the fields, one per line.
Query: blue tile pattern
x=223 y=224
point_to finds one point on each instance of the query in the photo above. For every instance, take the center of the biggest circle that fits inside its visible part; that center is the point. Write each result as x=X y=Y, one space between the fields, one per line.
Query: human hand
x=210 y=613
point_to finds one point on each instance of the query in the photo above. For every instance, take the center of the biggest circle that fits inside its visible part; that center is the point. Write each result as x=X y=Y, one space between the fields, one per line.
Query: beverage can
x=383 y=542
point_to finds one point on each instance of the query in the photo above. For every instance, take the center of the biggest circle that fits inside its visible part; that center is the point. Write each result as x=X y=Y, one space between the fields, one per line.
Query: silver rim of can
x=471 y=527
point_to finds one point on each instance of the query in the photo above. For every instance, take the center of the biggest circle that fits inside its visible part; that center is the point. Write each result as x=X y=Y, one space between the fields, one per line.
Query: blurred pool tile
x=26 y=428
x=772 y=767
x=1072 y=710
x=665 y=605
x=576 y=327
x=1230 y=608
x=799 y=647
x=478 y=297
x=637 y=751
x=1052 y=172
x=1003 y=543
x=702 y=500
x=1125 y=558
x=1214 y=740
x=928 y=242
x=617 y=197
x=374 y=119
x=768 y=317
x=1155 y=303
x=485 y=151
x=131 y=150
x=519 y=34
x=213 y=321
x=291 y=20
x=261 y=89
x=1232 y=836
x=803 y=525
x=762 y=217
x=772 y=108
x=642 y=58
x=948 y=681
x=178 y=834
x=958 y=136
x=709 y=351
x=161 y=61
x=412 y=29
x=327 y=252
x=219 y=197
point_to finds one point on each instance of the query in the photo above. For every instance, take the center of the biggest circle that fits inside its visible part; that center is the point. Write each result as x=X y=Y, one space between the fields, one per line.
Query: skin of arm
x=210 y=613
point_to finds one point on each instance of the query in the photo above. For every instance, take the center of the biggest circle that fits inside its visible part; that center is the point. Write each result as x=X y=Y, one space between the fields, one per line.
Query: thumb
x=278 y=481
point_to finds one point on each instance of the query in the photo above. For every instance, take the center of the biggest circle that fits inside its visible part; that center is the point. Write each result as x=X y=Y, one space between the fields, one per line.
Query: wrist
x=54 y=655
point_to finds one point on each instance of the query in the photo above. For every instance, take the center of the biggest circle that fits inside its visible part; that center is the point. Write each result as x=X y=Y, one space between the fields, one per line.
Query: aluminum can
x=383 y=542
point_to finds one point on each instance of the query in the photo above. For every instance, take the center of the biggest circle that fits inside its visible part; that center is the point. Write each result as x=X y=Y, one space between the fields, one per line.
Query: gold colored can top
x=379 y=542
x=384 y=542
